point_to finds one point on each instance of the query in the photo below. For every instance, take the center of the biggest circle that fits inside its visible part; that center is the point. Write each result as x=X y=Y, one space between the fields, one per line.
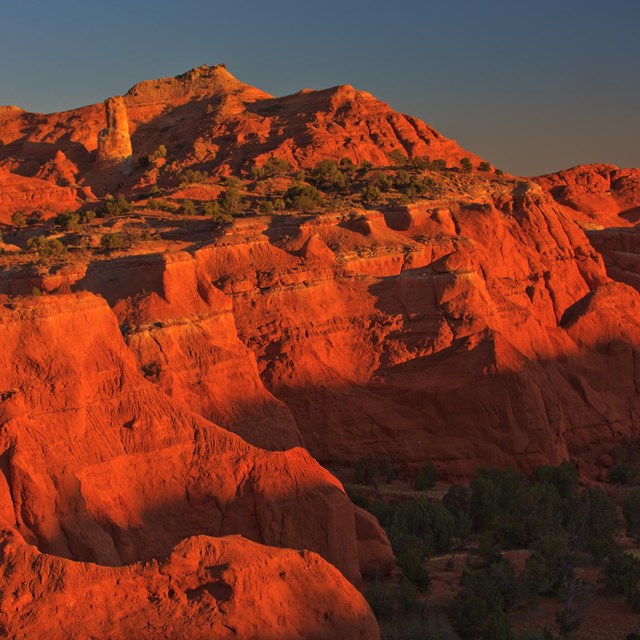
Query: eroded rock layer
x=99 y=465
x=204 y=589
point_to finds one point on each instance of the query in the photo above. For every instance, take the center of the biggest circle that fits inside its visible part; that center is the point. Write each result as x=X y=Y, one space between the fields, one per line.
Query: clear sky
x=533 y=86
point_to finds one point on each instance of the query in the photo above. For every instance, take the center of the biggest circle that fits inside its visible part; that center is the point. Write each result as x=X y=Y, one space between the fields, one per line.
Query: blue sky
x=531 y=86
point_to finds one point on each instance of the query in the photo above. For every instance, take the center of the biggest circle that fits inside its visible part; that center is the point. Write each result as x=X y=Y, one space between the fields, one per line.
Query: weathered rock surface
x=99 y=465
x=150 y=401
x=207 y=588
x=432 y=331
x=114 y=141
x=209 y=120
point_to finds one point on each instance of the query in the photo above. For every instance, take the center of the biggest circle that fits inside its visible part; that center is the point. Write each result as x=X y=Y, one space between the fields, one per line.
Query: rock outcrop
x=204 y=589
x=161 y=405
x=433 y=331
x=208 y=119
x=114 y=141
x=100 y=465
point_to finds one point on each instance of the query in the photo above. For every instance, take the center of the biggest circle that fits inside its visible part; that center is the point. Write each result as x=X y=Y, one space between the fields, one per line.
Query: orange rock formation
x=208 y=118
x=114 y=142
x=161 y=405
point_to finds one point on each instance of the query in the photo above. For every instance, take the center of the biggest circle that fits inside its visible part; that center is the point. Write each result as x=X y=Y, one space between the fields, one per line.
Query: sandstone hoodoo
x=114 y=141
x=243 y=337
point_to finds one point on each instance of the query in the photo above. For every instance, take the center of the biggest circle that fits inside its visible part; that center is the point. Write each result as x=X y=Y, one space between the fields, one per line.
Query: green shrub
x=622 y=473
x=397 y=157
x=484 y=166
x=112 y=241
x=381 y=180
x=427 y=477
x=230 y=200
x=326 y=175
x=486 y=594
x=457 y=502
x=266 y=206
x=429 y=522
x=564 y=477
x=370 y=194
x=466 y=165
x=210 y=208
x=592 y=521
x=631 y=511
x=149 y=158
x=117 y=206
x=273 y=168
x=303 y=197
x=347 y=168
x=192 y=176
x=549 y=568
x=188 y=208
x=161 y=205
x=381 y=599
x=407 y=596
x=160 y=152
x=621 y=570
x=222 y=218
x=412 y=186
x=67 y=220
x=369 y=470
x=87 y=216
x=46 y=247
x=421 y=163
x=19 y=219
x=411 y=561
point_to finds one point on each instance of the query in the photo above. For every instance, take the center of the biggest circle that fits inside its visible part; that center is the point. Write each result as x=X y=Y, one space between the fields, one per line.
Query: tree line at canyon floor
x=513 y=540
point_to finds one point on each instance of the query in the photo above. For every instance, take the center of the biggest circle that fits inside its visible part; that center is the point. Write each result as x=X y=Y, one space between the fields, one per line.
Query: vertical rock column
x=114 y=142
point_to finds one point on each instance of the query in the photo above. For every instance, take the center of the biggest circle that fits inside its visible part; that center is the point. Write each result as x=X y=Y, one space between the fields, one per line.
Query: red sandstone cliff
x=153 y=401
x=205 y=588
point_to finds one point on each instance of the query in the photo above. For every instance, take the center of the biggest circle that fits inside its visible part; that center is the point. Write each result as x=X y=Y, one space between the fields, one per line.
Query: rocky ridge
x=160 y=399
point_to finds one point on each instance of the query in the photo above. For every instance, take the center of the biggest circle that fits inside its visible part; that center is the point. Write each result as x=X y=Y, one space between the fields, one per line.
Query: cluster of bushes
x=158 y=204
x=304 y=197
x=622 y=575
x=626 y=470
x=370 y=471
x=564 y=526
x=46 y=248
x=192 y=176
x=116 y=207
x=21 y=219
x=333 y=177
x=412 y=185
x=113 y=241
x=221 y=210
x=118 y=240
x=72 y=220
x=230 y=201
x=421 y=163
x=272 y=168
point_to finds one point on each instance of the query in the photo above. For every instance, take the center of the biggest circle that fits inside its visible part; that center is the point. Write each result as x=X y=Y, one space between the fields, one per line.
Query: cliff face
x=99 y=465
x=204 y=589
x=162 y=404
x=433 y=331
